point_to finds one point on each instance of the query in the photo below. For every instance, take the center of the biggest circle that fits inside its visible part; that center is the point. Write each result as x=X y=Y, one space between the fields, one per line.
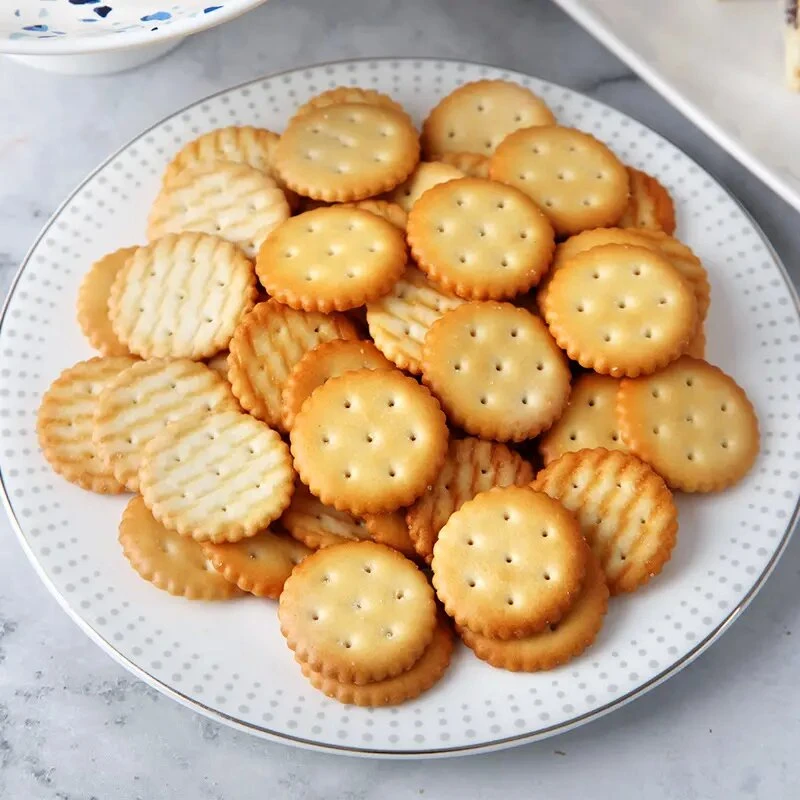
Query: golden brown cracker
x=697 y=346
x=391 y=529
x=65 y=420
x=472 y=466
x=427 y=175
x=475 y=165
x=177 y=564
x=625 y=510
x=369 y=441
x=357 y=613
x=350 y=94
x=509 y=562
x=479 y=239
x=496 y=370
x=692 y=423
x=389 y=211
x=649 y=206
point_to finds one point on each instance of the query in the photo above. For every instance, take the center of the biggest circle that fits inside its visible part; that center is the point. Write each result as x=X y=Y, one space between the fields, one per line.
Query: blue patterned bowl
x=50 y=27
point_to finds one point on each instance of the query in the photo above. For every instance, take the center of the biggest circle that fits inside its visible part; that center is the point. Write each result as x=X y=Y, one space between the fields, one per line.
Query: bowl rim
x=81 y=45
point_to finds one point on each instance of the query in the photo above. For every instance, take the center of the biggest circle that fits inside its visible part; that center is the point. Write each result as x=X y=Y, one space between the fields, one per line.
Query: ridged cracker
x=475 y=165
x=427 y=175
x=177 y=564
x=350 y=94
x=621 y=310
x=66 y=417
x=357 y=613
x=347 y=152
x=509 y=562
x=259 y=565
x=477 y=116
x=589 y=419
x=418 y=678
x=693 y=423
x=217 y=476
x=697 y=347
x=93 y=302
x=391 y=529
x=326 y=361
x=496 y=370
x=369 y=441
x=234 y=201
x=181 y=296
x=389 y=211
x=480 y=239
x=316 y=525
x=141 y=401
x=556 y=644
x=472 y=466
x=399 y=321
x=573 y=177
x=330 y=259
x=266 y=345
x=649 y=206
x=625 y=510
x=219 y=363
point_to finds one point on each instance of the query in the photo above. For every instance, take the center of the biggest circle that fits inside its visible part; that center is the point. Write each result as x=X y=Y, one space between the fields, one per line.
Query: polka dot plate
x=228 y=660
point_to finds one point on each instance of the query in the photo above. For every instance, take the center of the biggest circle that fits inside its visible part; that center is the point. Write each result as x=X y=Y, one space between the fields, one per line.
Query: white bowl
x=95 y=36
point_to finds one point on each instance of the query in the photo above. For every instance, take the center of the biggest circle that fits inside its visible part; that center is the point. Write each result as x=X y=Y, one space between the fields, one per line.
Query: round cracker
x=357 y=613
x=573 y=177
x=693 y=423
x=477 y=116
x=474 y=165
x=346 y=152
x=621 y=310
x=480 y=239
x=369 y=441
x=427 y=175
x=496 y=370
x=391 y=212
x=649 y=206
x=350 y=94
x=177 y=564
x=509 y=562
x=330 y=259
x=391 y=529
x=66 y=417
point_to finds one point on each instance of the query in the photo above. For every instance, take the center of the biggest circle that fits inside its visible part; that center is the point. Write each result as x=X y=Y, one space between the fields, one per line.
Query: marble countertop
x=74 y=725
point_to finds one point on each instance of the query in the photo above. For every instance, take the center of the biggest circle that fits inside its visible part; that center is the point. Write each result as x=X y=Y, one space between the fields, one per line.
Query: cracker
x=369 y=441
x=557 y=643
x=573 y=177
x=93 y=302
x=350 y=94
x=589 y=419
x=477 y=116
x=621 y=310
x=649 y=206
x=496 y=370
x=181 y=296
x=427 y=175
x=625 y=510
x=143 y=400
x=177 y=564
x=399 y=321
x=65 y=419
x=389 y=211
x=472 y=466
x=218 y=476
x=697 y=346
x=219 y=363
x=357 y=613
x=325 y=361
x=331 y=259
x=347 y=152
x=391 y=529
x=509 y=562
x=475 y=165
x=417 y=679
x=234 y=201
x=693 y=423
x=317 y=525
x=259 y=565
x=480 y=239
x=267 y=344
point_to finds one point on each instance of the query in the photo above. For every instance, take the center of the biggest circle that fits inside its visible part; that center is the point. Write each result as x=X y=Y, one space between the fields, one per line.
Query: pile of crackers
x=407 y=384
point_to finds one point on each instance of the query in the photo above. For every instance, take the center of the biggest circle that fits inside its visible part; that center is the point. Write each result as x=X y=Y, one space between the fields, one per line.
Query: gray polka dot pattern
x=207 y=653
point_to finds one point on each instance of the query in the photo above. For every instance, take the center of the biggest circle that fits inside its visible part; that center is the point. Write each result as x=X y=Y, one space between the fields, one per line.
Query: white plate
x=721 y=64
x=228 y=660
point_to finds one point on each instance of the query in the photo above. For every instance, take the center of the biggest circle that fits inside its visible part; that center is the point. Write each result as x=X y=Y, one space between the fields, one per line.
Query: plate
x=228 y=661
x=720 y=64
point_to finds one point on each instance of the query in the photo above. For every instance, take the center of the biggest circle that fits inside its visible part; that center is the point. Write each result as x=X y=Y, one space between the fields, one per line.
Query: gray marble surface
x=75 y=725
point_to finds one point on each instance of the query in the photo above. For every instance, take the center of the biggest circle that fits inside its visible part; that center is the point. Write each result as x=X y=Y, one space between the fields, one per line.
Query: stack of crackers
x=322 y=375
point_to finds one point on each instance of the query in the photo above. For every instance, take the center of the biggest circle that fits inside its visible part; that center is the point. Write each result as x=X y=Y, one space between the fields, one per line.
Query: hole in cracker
x=574 y=485
x=470 y=542
x=389 y=634
x=723 y=407
x=509 y=559
x=621 y=304
x=347 y=404
x=514 y=333
x=440 y=228
x=614 y=437
x=592 y=401
x=724 y=444
x=622 y=556
x=690 y=382
x=457 y=367
x=459 y=202
x=451 y=135
x=399 y=594
x=498 y=366
x=370 y=438
x=462 y=258
x=656 y=429
x=587 y=201
x=390 y=403
x=501 y=203
x=484 y=400
x=315 y=617
x=648 y=333
x=325 y=440
x=412 y=437
x=656 y=393
x=348 y=474
x=368 y=569
x=637 y=271
x=471 y=583
x=524 y=399
x=473 y=332
x=689 y=418
x=546 y=576
x=607 y=337
x=510 y=601
x=348 y=645
x=579 y=308
x=326 y=579
x=553 y=627
x=392 y=472
x=573 y=437
x=504 y=262
x=506 y=516
x=548 y=202
x=690 y=456
x=545 y=534
x=662 y=301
